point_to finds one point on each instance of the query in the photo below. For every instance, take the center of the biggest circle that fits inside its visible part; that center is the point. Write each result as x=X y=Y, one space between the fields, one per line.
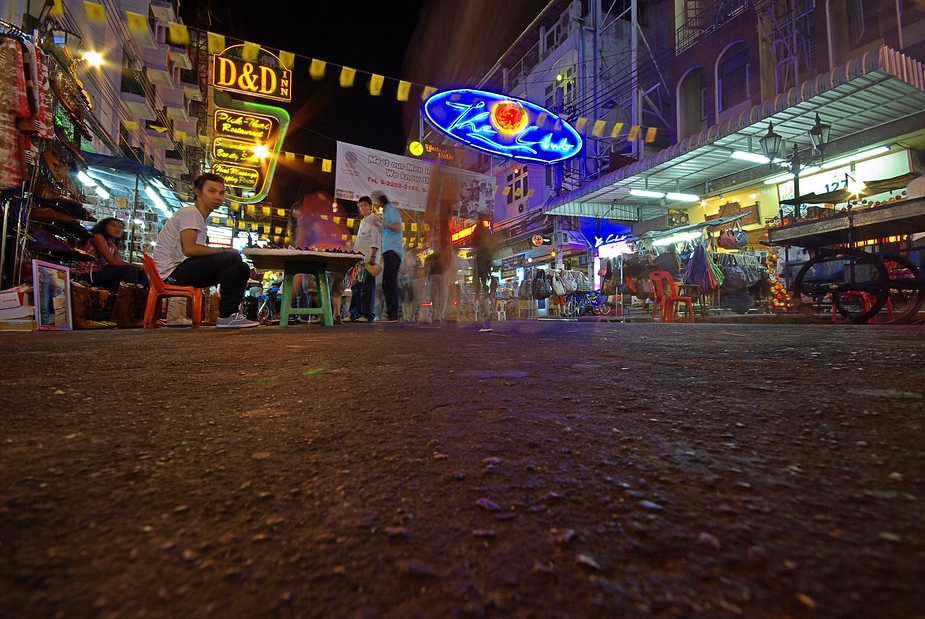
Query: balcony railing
x=707 y=20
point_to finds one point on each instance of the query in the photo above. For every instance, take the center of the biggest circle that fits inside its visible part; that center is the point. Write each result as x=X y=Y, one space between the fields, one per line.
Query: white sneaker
x=179 y=321
x=235 y=321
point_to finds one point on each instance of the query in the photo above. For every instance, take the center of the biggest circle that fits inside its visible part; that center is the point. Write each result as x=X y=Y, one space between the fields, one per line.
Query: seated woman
x=109 y=269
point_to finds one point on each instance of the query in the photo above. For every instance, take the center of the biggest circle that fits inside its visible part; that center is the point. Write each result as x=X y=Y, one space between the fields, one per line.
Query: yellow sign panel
x=236 y=176
x=233 y=151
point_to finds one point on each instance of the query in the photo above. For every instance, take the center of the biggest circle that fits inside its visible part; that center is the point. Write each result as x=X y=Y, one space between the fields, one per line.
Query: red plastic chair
x=160 y=290
x=668 y=303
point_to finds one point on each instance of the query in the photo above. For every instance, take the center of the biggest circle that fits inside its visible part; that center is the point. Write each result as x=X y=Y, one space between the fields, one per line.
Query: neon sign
x=502 y=125
x=266 y=78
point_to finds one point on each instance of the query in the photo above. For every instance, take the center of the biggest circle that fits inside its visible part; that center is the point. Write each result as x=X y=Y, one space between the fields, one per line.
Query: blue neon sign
x=502 y=125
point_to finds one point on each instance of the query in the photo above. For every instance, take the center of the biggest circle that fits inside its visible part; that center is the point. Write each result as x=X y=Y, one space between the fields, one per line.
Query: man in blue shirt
x=391 y=253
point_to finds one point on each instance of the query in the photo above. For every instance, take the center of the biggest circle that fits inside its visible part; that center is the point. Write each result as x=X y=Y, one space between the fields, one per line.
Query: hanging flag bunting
x=633 y=134
x=57 y=9
x=616 y=130
x=131 y=125
x=650 y=134
x=289 y=156
x=428 y=90
x=317 y=69
x=287 y=59
x=346 y=77
x=216 y=43
x=325 y=165
x=179 y=35
x=138 y=27
x=404 y=89
x=598 y=129
x=251 y=52
x=375 y=85
x=96 y=14
x=308 y=159
x=580 y=124
x=541 y=119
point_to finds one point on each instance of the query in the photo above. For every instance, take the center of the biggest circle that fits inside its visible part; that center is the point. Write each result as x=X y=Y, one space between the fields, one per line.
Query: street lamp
x=772 y=142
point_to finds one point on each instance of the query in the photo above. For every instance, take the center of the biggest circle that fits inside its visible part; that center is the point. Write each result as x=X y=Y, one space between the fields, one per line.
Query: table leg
x=285 y=305
x=324 y=297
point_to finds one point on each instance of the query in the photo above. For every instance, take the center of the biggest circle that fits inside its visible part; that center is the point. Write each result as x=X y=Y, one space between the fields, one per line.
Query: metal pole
x=795 y=170
x=131 y=236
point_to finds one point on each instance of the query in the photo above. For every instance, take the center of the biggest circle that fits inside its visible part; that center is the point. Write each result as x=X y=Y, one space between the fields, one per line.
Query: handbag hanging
x=727 y=239
x=741 y=236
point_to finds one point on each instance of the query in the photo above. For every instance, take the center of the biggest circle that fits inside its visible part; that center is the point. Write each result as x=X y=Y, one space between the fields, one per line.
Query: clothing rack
x=10 y=31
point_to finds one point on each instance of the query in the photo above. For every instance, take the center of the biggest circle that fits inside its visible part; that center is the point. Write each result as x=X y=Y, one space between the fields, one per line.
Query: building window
x=516 y=186
x=733 y=80
x=703 y=95
x=865 y=22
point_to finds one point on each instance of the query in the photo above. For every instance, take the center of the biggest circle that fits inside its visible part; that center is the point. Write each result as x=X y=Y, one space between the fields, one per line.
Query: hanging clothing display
x=13 y=104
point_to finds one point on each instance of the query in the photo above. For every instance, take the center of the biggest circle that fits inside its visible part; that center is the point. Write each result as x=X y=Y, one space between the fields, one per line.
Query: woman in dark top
x=108 y=269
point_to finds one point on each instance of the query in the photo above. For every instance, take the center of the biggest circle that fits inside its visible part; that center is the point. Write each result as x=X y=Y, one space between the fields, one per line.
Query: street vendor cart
x=859 y=267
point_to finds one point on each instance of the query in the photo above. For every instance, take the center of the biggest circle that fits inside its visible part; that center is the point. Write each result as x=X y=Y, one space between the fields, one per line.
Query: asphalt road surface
x=538 y=469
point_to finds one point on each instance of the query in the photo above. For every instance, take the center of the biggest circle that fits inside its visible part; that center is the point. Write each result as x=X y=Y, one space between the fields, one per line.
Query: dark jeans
x=110 y=277
x=391 y=262
x=364 y=293
x=225 y=269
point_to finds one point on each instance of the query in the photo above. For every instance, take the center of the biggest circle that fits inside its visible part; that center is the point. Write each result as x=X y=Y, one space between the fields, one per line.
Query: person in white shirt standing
x=184 y=258
x=368 y=243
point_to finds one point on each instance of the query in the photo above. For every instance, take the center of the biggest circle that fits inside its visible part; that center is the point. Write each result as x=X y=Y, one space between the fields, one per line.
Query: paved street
x=540 y=469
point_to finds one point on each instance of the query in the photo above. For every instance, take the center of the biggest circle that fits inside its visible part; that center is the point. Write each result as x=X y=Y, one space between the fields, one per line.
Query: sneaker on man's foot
x=362 y=319
x=235 y=321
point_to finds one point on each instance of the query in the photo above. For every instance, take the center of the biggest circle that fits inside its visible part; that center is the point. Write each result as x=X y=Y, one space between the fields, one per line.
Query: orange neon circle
x=509 y=116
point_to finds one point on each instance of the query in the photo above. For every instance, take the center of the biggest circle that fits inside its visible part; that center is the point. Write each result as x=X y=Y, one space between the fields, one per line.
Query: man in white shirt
x=184 y=257
x=368 y=243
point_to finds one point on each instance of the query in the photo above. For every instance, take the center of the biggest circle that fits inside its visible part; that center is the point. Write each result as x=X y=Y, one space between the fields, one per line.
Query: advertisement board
x=406 y=180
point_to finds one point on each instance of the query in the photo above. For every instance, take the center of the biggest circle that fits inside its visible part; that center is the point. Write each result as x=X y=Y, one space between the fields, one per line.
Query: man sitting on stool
x=183 y=257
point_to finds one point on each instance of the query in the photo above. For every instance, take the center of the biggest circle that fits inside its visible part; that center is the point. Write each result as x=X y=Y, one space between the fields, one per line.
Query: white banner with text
x=406 y=180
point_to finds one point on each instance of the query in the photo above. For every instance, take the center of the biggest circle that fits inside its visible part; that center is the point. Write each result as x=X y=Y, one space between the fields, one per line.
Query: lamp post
x=771 y=144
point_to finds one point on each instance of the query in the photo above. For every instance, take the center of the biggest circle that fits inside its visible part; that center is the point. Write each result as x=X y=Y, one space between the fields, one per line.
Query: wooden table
x=292 y=261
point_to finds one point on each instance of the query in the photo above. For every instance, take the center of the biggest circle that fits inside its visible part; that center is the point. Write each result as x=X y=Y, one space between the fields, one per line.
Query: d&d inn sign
x=502 y=125
x=266 y=78
x=238 y=132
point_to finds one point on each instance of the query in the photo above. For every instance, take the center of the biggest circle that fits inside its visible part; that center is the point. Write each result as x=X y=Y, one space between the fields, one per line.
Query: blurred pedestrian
x=391 y=253
x=484 y=245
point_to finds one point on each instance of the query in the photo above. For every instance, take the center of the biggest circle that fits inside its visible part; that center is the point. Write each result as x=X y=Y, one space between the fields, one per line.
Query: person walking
x=391 y=254
x=184 y=258
x=484 y=245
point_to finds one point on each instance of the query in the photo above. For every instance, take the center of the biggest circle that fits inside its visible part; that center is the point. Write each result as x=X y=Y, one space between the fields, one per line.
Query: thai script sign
x=502 y=125
x=267 y=77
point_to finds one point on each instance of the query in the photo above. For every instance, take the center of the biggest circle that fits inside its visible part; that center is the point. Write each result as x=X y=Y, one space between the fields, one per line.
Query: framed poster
x=52 y=290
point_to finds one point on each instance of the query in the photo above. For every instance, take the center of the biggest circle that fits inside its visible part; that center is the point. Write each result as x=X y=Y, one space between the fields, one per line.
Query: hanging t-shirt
x=168 y=253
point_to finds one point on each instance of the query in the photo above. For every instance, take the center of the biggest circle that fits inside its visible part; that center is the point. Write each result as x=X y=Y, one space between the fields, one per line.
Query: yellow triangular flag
x=266 y=211
x=518 y=192
x=616 y=130
x=287 y=59
x=325 y=165
x=507 y=190
x=278 y=230
x=216 y=43
x=137 y=22
x=308 y=159
x=598 y=129
x=289 y=156
x=57 y=9
x=131 y=125
x=428 y=90
x=375 y=85
x=250 y=52
x=180 y=136
x=650 y=134
x=541 y=119
x=251 y=210
x=580 y=125
x=317 y=69
x=404 y=89
x=281 y=212
x=179 y=35
x=530 y=193
x=633 y=134
x=346 y=77
x=96 y=14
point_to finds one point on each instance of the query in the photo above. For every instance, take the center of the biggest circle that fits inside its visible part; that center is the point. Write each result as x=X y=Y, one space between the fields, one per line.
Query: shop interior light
x=852 y=158
x=102 y=192
x=788 y=176
x=156 y=198
x=753 y=157
x=680 y=237
x=86 y=180
x=157 y=183
x=645 y=193
x=683 y=197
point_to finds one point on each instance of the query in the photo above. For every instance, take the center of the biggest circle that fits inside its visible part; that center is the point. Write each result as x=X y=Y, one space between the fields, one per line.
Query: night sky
x=438 y=43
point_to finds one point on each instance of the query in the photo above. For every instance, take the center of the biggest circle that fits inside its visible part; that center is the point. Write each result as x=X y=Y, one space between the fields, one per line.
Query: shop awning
x=121 y=172
x=870 y=92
